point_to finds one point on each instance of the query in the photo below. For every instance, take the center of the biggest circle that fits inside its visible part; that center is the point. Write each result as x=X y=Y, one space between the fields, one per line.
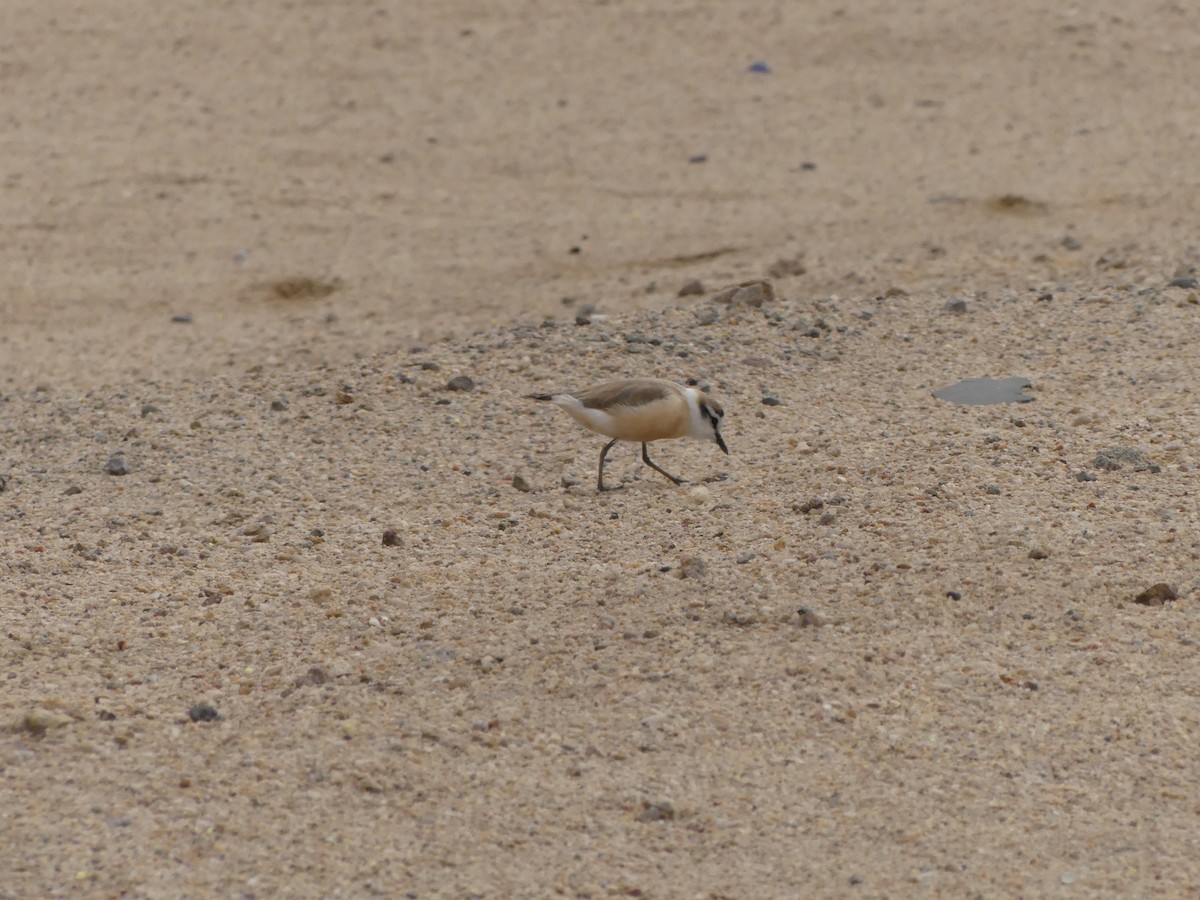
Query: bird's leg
x=648 y=461
x=600 y=472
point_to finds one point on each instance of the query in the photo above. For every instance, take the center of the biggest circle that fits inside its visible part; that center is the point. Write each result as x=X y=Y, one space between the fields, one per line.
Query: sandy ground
x=888 y=647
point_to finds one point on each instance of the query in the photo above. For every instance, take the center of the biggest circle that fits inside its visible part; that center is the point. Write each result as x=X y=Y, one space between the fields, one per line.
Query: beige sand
x=888 y=647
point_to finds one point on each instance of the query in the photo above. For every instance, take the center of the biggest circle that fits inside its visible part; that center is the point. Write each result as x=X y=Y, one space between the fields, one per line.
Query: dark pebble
x=1070 y=242
x=583 y=320
x=391 y=538
x=1084 y=476
x=183 y=319
x=148 y=409
x=954 y=595
x=692 y=288
x=460 y=383
x=116 y=465
x=698 y=158
x=770 y=401
x=956 y=305
x=202 y=712
x=279 y=405
x=430 y=366
x=70 y=492
x=992 y=489
x=520 y=484
x=1183 y=283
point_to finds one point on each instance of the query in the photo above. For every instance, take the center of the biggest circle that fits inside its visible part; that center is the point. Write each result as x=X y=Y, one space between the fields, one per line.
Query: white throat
x=698 y=426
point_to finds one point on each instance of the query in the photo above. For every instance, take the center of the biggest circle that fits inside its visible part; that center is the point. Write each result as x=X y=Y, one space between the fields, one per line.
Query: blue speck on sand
x=759 y=68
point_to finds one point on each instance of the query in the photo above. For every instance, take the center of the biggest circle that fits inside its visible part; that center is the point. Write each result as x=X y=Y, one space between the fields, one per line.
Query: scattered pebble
x=691 y=288
x=182 y=319
x=521 y=484
x=699 y=496
x=1186 y=283
x=116 y=465
x=829 y=517
x=1070 y=242
x=954 y=595
x=70 y=491
x=391 y=538
x=992 y=489
x=956 y=305
x=279 y=405
x=1156 y=595
x=692 y=567
x=462 y=383
x=1084 y=475
x=745 y=556
x=1038 y=553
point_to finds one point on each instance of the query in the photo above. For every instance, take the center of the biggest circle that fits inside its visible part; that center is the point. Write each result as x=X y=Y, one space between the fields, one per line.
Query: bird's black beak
x=720 y=441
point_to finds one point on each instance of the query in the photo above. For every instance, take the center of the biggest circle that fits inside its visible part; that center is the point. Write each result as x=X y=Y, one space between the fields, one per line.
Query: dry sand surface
x=889 y=647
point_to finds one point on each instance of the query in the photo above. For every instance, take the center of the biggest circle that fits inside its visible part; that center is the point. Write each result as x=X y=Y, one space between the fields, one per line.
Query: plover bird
x=642 y=410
